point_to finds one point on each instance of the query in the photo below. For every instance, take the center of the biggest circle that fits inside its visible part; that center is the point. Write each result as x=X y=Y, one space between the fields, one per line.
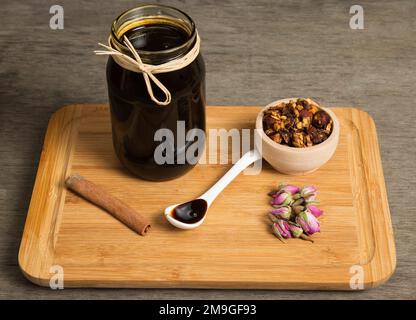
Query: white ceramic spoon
x=195 y=211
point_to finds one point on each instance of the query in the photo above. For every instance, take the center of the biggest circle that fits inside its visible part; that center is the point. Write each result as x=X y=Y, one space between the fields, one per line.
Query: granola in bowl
x=297 y=123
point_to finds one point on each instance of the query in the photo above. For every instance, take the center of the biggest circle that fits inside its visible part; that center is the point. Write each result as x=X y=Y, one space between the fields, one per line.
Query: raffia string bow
x=149 y=70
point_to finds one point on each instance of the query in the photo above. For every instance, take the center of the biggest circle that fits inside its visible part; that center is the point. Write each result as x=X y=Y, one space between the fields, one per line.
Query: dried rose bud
x=298 y=201
x=297 y=196
x=281 y=229
x=308 y=222
x=277 y=233
x=273 y=218
x=282 y=212
x=305 y=237
x=308 y=191
x=311 y=199
x=272 y=193
x=282 y=199
x=288 y=188
x=295 y=230
x=315 y=210
x=298 y=209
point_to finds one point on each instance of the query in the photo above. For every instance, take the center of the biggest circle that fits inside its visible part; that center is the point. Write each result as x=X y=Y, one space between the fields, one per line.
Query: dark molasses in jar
x=159 y=34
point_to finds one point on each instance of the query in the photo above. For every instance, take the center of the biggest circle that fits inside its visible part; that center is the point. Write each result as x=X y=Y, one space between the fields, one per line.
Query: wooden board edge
x=36 y=247
x=208 y=285
x=383 y=264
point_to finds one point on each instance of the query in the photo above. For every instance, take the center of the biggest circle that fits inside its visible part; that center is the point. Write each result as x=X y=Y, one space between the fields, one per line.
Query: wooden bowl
x=292 y=160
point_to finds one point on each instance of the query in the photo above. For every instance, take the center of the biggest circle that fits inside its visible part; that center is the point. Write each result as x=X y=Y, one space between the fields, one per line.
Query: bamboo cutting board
x=234 y=248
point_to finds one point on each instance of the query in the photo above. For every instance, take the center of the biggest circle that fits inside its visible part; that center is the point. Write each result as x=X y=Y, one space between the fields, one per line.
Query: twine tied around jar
x=149 y=70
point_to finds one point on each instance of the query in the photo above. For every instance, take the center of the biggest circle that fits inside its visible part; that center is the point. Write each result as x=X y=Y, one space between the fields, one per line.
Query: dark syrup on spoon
x=190 y=212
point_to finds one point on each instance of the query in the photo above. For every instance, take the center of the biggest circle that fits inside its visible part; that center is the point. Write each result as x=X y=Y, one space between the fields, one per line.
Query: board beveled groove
x=234 y=248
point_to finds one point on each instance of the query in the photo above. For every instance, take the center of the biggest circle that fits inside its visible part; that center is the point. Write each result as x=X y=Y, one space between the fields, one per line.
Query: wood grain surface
x=235 y=247
x=255 y=52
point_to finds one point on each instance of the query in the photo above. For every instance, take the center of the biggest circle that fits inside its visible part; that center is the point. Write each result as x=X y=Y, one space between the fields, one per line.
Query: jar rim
x=141 y=52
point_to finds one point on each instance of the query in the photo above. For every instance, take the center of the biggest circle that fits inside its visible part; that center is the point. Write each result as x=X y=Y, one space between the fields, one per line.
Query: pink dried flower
x=315 y=210
x=295 y=214
x=282 y=199
x=295 y=230
x=282 y=212
x=281 y=230
x=308 y=222
x=308 y=191
x=287 y=188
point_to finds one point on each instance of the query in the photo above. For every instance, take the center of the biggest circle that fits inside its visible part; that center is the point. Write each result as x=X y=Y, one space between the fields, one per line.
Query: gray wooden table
x=255 y=51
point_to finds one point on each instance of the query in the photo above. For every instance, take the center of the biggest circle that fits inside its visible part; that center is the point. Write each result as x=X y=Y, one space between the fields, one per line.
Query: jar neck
x=148 y=15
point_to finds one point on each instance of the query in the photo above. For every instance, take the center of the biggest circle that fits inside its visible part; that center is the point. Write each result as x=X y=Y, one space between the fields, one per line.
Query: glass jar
x=159 y=34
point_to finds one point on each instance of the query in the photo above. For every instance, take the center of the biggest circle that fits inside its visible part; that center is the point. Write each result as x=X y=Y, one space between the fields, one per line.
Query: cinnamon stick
x=106 y=201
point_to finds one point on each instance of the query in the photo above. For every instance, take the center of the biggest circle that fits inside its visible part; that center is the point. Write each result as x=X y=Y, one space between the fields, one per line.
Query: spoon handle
x=247 y=159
